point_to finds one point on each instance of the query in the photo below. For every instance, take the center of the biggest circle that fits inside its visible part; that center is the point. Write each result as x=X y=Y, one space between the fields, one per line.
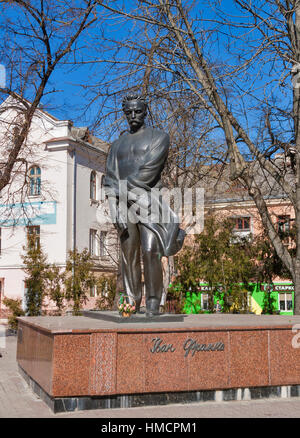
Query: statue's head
x=135 y=109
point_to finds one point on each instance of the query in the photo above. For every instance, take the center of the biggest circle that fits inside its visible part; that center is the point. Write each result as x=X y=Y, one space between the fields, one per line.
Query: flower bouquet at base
x=125 y=308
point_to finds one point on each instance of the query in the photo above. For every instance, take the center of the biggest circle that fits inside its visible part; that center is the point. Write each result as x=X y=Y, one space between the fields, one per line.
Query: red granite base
x=77 y=356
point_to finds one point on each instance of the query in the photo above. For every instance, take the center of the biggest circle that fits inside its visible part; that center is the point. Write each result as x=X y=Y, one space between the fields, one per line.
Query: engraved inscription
x=160 y=347
x=190 y=346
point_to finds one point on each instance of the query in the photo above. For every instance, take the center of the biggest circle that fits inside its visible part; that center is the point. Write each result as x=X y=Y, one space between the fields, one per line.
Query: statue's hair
x=133 y=96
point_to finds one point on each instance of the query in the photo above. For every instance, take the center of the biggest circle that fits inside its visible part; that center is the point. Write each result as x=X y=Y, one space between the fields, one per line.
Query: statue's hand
x=122 y=231
x=124 y=235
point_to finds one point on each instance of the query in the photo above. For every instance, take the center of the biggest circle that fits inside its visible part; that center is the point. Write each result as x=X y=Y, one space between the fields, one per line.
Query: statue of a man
x=135 y=161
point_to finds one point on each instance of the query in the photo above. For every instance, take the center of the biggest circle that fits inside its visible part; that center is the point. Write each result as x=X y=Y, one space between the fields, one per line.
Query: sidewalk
x=18 y=401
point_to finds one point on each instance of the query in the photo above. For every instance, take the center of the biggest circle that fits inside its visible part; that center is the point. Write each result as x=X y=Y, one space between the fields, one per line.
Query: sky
x=71 y=96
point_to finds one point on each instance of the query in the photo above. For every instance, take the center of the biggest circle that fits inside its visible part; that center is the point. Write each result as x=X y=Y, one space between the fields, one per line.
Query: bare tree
x=36 y=38
x=250 y=88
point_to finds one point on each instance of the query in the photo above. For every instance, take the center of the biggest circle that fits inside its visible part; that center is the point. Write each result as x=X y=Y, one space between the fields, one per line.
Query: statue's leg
x=153 y=275
x=131 y=264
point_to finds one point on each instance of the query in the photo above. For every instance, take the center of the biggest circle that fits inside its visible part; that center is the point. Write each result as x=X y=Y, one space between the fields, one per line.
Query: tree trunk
x=296 y=281
x=296 y=116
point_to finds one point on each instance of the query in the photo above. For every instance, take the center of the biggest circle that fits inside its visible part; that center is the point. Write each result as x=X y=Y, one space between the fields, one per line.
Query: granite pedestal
x=140 y=317
x=85 y=363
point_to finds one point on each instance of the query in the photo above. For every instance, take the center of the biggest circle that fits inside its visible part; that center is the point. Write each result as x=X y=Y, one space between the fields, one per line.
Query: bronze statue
x=136 y=160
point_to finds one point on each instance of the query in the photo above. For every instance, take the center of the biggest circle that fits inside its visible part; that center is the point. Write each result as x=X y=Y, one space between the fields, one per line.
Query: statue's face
x=135 y=112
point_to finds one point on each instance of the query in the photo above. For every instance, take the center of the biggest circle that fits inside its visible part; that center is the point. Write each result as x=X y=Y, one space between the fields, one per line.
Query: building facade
x=224 y=198
x=247 y=223
x=60 y=202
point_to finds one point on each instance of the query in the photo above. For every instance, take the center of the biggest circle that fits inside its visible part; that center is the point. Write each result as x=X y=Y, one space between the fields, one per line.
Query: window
x=283 y=224
x=102 y=191
x=285 y=302
x=34 y=181
x=93 y=186
x=242 y=223
x=204 y=301
x=104 y=291
x=33 y=236
x=103 y=243
x=93 y=243
x=93 y=291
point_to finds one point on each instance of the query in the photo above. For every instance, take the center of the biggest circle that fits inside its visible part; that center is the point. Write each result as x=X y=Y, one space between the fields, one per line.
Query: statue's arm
x=111 y=188
x=110 y=183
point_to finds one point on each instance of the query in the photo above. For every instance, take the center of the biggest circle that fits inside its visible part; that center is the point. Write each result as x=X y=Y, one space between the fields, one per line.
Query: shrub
x=15 y=307
x=107 y=286
x=79 y=278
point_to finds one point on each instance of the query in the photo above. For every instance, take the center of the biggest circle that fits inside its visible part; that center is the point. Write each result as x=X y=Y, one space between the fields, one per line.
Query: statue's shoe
x=152 y=308
x=151 y=314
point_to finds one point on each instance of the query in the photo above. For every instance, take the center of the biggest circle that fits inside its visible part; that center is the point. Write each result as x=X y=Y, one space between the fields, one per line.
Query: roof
x=218 y=187
x=81 y=134
x=20 y=100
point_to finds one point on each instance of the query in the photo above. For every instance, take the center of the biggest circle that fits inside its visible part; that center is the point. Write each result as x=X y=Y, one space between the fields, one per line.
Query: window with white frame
x=104 y=291
x=103 y=243
x=204 y=301
x=93 y=243
x=33 y=236
x=93 y=185
x=34 y=174
x=285 y=302
x=283 y=224
x=242 y=223
x=102 y=191
x=93 y=291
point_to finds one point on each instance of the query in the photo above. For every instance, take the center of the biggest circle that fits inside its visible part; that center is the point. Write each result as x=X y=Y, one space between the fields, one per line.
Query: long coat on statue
x=132 y=185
